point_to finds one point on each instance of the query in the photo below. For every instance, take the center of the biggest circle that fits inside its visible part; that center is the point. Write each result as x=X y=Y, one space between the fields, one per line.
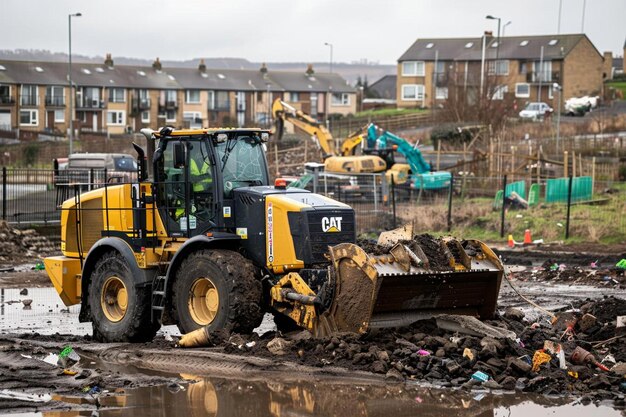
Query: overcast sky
x=295 y=30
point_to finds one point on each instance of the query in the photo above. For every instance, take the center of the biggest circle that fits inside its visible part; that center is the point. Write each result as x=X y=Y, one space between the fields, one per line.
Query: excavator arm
x=348 y=146
x=413 y=156
x=283 y=111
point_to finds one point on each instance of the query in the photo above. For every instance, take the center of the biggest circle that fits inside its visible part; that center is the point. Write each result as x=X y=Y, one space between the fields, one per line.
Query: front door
x=94 y=122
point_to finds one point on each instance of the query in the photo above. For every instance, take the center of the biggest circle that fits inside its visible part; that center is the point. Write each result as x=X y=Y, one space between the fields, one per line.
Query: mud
x=432 y=249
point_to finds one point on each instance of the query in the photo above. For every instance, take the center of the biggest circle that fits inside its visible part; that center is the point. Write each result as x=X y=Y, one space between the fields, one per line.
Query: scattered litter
x=581 y=357
x=467 y=353
x=22 y=396
x=68 y=357
x=423 y=352
x=9 y=269
x=621 y=264
x=52 y=359
x=480 y=376
x=26 y=356
x=539 y=358
x=478 y=397
x=27 y=302
x=69 y=372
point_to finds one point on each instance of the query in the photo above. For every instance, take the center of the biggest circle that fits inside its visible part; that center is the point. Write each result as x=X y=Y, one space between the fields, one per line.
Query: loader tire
x=217 y=288
x=120 y=310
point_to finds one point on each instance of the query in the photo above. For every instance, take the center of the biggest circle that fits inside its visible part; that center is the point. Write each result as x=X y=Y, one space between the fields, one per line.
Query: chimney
x=157 y=65
x=607 y=67
x=108 y=61
x=202 y=66
x=309 y=70
x=263 y=68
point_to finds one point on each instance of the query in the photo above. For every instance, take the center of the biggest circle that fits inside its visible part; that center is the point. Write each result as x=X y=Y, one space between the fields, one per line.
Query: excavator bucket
x=404 y=280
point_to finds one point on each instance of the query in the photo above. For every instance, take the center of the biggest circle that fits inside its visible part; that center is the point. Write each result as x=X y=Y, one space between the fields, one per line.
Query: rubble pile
x=516 y=355
x=16 y=244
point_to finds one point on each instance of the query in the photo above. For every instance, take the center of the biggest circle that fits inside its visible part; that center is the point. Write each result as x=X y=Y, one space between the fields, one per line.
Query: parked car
x=535 y=111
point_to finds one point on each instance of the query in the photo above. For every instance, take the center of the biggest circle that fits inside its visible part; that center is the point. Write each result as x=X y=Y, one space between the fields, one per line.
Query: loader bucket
x=409 y=281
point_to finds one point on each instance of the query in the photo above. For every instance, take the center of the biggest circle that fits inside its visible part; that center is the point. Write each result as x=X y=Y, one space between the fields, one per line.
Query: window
x=412 y=92
x=499 y=91
x=550 y=91
x=294 y=97
x=59 y=116
x=469 y=45
x=211 y=100
x=553 y=42
x=340 y=99
x=55 y=95
x=500 y=67
x=522 y=90
x=192 y=96
x=170 y=96
x=170 y=116
x=429 y=45
x=441 y=93
x=194 y=118
x=116 y=118
x=29 y=118
x=145 y=116
x=222 y=100
x=413 y=68
x=544 y=75
x=523 y=43
x=29 y=96
x=117 y=95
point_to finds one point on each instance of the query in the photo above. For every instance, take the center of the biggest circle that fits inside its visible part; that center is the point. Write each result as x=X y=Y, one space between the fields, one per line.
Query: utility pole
x=69 y=76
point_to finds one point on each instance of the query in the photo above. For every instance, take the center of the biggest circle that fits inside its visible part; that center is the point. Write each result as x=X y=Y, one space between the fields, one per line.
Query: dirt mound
x=16 y=244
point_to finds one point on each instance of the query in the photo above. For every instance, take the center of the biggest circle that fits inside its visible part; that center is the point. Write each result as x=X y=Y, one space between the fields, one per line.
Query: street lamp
x=504 y=27
x=330 y=45
x=490 y=17
x=331 y=55
x=558 y=88
x=69 y=76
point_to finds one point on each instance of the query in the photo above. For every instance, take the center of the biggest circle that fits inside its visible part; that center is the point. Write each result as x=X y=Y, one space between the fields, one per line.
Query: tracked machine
x=202 y=240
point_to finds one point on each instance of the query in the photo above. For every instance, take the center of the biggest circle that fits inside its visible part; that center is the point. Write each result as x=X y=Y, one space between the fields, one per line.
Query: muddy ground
x=423 y=353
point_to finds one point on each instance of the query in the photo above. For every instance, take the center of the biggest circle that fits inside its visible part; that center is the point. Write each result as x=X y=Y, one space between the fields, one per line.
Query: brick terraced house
x=519 y=68
x=123 y=98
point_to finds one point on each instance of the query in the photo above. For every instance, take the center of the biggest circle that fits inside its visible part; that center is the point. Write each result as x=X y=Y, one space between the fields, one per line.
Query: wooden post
x=438 y=153
x=513 y=149
x=574 y=164
x=538 y=164
x=306 y=150
x=565 y=165
x=580 y=164
x=593 y=173
x=276 y=158
x=490 y=156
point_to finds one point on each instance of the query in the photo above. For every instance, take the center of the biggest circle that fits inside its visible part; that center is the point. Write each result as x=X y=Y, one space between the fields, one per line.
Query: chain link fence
x=552 y=210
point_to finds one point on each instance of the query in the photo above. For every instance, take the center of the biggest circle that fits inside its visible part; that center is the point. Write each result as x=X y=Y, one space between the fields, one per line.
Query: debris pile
x=507 y=353
x=605 y=275
x=16 y=244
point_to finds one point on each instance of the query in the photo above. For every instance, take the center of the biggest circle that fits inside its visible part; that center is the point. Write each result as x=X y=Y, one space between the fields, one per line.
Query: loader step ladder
x=158 y=297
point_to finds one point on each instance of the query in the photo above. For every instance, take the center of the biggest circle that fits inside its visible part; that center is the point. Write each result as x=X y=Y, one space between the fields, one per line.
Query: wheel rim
x=204 y=301
x=114 y=299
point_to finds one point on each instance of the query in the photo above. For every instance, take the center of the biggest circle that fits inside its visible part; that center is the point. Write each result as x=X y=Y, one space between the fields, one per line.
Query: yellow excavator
x=202 y=240
x=338 y=161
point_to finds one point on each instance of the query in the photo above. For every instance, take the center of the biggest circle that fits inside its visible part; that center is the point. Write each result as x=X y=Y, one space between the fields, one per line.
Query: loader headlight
x=221 y=137
x=265 y=136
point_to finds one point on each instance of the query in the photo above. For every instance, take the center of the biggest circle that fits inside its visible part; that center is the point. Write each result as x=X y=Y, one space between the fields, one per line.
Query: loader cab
x=196 y=173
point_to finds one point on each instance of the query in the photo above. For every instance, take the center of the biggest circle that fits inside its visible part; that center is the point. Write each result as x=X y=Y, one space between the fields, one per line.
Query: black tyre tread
x=244 y=288
x=140 y=327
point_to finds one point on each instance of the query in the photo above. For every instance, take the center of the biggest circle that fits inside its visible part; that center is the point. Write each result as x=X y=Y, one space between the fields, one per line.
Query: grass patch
x=475 y=218
x=389 y=112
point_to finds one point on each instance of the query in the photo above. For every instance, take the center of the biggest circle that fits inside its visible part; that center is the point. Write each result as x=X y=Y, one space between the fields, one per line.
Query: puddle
x=213 y=397
x=47 y=315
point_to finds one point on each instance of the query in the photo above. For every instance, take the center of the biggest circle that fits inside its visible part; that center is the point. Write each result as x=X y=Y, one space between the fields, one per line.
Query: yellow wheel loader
x=202 y=240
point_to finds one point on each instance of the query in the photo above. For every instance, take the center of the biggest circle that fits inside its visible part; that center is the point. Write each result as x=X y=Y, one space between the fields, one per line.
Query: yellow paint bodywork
x=400 y=173
x=303 y=314
x=281 y=253
x=96 y=218
x=354 y=164
x=64 y=273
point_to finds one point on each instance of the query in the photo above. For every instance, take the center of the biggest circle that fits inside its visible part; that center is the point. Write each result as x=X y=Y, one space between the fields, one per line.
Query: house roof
x=131 y=76
x=385 y=87
x=511 y=47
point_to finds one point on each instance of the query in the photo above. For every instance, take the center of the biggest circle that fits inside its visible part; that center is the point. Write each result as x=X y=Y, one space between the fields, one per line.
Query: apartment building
x=121 y=98
x=517 y=68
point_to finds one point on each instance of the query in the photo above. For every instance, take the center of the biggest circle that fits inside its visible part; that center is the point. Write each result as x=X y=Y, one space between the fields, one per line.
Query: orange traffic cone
x=511 y=242
x=527 y=239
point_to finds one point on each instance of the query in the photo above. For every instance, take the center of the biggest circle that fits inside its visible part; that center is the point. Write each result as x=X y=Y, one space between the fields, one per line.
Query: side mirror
x=179 y=154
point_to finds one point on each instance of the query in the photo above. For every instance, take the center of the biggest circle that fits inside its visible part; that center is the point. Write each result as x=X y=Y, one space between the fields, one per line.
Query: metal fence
x=471 y=205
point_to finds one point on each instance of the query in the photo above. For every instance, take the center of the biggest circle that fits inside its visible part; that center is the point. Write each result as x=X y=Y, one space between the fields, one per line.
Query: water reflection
x=209 y=397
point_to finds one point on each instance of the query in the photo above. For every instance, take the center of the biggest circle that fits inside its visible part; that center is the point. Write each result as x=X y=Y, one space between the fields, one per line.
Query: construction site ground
x=423 y=368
